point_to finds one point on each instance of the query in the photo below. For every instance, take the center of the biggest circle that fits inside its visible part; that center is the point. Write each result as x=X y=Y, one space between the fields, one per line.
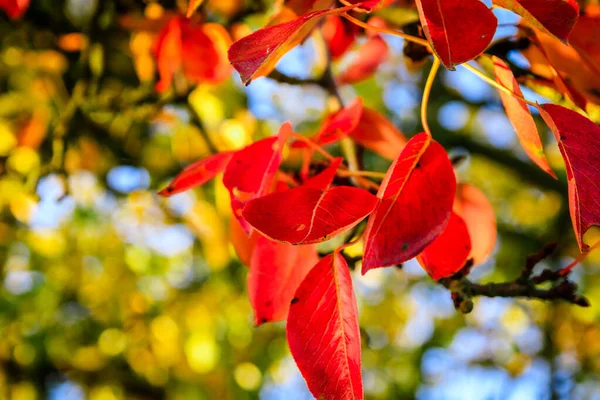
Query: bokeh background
x=109 y=292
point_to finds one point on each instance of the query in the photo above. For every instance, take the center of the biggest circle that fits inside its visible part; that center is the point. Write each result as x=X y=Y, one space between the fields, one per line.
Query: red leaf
x=276 y=271
x=323 y=331
x=447 y=254
x=300 y=7
x=257 y=54
x=520 y=117
x=579 y=143
x=340 y=34
x=323 y=180
x=368 y=59
x=477 y=212
x=243 y=244
x=199 y=51
x=251 y=171
x=458 y=30
x=14 y=8
x=416 y=202
x=307 y=215
x=376 y=132
x=555 y=17
x=340 y=124
x=197 y=174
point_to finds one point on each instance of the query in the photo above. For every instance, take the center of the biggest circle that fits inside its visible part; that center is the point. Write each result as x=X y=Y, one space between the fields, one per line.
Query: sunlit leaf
x=458 y=30
x=193 y=5
x=308 y=215
x=555 y=17
x=276 y=270
x=416 y=202
x=368 y=59
x=520 y=116
x=447 y=254
x=323 y=332
x=197 y=174
x=477 y=212
x=579 y=142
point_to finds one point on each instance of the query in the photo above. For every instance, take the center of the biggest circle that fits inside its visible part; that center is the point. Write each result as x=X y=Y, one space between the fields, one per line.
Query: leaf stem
x=495 y=84
x=427 y=92
x=403 y=35
x=368 y=174
x=312 y=145
x=566 y=270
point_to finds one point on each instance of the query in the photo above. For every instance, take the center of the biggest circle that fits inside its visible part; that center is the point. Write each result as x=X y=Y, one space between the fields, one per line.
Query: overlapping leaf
x=416 y=202
x=520 y=117
x=323 y=180
x=458 y=30
x=276 y=271
x=555 y=17
x=251 y=171
x=338 y=125
x=197 y=174
x=477 y=212
x=323 y=332
x=579 y=142
x=447 y=254
x=243 y=244
x=309 y=215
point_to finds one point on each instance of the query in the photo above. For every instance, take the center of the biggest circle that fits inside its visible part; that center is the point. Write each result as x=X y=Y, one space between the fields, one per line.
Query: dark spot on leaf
x=405 y=247
x=563 y=138
x=264 y=320
x=295 y=300
x=418 y=165
x=268 y=303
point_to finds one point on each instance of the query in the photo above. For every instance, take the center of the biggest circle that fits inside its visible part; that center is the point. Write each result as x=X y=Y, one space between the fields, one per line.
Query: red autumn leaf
x=308 y=215
x=323 y=332
x=251 y=171
x=447 y=254
x=193 y=5
x=323 y=180
x=416 y=202
x=243 y=244
x=276 y=271
x=14 y=8
x=477 y=212
x=520 y=117
x=199 y=51
x=368 y=59
x=257 y=54
x=300 y=7
x=197 y=174
x=340 y=124
x=555 y=17
x=458 y=30
x=579 y=143
x=375 y=132
x=340 y=34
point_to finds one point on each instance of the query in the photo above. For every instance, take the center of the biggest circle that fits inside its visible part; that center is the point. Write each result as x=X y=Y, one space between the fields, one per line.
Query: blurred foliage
x=109 y=292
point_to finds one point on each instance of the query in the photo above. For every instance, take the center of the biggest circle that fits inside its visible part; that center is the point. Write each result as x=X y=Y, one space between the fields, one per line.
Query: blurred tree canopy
x=111 y=292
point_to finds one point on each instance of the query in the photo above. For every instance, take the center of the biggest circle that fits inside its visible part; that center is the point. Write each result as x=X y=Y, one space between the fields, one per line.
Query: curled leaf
x=323 y=332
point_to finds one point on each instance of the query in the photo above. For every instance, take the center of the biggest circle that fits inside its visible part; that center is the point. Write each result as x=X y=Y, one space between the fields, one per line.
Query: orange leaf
x=447 y=254
x=520 y=116
x=323 y=331
x=458 y=30
x=276 y=271
x=477 y=212
x=579 y=143
x=416 y=202
x=192 y=7
x=555 y=17
x=375 y=132
x=243 y=244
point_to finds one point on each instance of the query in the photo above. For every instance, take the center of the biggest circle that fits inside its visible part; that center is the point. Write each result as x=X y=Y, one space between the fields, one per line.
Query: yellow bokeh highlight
x=7 y=139
x=248 y=376
x=23 y=160
x=206 y=223
x=88 y=358
x=23 y=207
x=515 y=320
x=23 y=391
x=24 y=354
x=209 y=107
x=103 y=393
x=232 y=135
x=202 y=353
x=112 y=342
x=50 y=244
